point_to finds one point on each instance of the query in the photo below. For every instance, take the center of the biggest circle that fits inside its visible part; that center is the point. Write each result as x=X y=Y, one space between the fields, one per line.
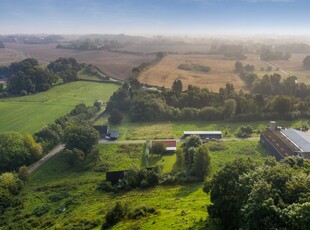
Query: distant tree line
x=269 y=55
x=269 y=98
x=2 y=44
x=90 y=44
x=27 y=76
x=229 y=51
x=31 y=39
x=249 y=195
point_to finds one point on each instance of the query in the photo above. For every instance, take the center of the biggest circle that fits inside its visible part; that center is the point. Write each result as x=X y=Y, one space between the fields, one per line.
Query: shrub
x=115 y=116
x=115 y=215
x=141 y=211
x=158 y=148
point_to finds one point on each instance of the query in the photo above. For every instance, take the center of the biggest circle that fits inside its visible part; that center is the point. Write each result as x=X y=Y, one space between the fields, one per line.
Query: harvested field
x=166 y=72
x=114 y=64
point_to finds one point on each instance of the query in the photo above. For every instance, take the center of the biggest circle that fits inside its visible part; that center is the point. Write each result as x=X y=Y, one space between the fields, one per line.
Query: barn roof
x=298 y=138
x=166 y=143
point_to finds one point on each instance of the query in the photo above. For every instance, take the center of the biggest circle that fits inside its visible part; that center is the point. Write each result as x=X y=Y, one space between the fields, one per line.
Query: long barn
x=285 y=142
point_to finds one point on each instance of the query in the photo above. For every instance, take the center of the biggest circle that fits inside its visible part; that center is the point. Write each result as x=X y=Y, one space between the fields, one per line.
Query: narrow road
x=275 y=67
x=36 y=165
x=59 y=148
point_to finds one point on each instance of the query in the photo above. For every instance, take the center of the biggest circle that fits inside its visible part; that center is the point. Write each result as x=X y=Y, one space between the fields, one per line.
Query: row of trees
x=249 y=195
x=28 y=76
x=268 y=55
x=195 y=103
x=53 y=134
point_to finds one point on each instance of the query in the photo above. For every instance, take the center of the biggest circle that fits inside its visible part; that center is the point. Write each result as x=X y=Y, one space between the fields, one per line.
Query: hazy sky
x=192 y=17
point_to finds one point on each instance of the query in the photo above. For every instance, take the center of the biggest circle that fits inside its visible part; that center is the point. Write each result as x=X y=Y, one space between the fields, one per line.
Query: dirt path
x=36 y=165
x=275 y=67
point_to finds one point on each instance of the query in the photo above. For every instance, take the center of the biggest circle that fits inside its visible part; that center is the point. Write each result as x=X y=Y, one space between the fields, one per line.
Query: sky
x=155 y=17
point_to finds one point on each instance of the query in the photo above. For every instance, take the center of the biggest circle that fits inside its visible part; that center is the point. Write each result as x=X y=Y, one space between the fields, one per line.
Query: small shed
x=171 y=145
x=115 y=176
x=114 y=134
x=204 y=134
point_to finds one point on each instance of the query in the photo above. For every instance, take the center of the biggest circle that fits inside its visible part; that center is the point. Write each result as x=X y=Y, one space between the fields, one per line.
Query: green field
x=175 y=129
x=31 y=113
x=179 y=207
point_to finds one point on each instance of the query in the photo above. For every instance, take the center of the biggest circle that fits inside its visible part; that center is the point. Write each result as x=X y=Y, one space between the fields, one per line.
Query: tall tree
x=177 y=86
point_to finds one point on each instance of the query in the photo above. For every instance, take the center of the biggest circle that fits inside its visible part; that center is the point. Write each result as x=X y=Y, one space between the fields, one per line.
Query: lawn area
x=175 y=129
x=55 y=185
x=31 y=113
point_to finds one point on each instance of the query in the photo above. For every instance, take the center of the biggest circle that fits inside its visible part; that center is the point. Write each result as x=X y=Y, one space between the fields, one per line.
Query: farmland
x=166 y=72
x=180 y=206
x=114 y=64
x=175 y=129
x=31 y=113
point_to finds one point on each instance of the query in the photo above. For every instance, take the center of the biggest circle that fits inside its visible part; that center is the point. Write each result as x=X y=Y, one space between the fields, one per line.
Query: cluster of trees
x=270 y=98
x=306 y=62
x=65 y=68
x=268 y=55
x=195 y=67
x=134 y=178
x=193 y=157
x=240 y=68
x=81 y=145
x=27 y=76
x=115 y=116
x=52 y=135
x=17 y=150
x=90 y=44
x=2 y=44
x=230 y=51
x=270 y=195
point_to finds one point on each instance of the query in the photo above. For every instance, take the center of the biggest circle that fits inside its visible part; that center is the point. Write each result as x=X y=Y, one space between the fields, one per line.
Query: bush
x=115 y=215
x=158 y=148
x=106 y=186
x=141 y=212
x=23 y=93
x=217 y=146
x=115 y=116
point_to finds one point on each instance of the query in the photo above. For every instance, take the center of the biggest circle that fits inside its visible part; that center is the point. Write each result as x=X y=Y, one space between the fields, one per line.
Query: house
x=171 y=145
x=285 y=142
x=114 y=134
x=204 y=134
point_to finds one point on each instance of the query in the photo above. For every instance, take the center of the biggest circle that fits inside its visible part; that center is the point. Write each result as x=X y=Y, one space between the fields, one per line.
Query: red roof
x=167 y=143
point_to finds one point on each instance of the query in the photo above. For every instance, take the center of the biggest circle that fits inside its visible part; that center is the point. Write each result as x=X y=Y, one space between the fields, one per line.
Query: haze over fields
x=179 y=17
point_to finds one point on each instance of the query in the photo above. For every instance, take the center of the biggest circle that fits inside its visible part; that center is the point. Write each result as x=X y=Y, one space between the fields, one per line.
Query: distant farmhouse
x=171 y=145
x=204 y=135
x=104 y=131
x=285 y=142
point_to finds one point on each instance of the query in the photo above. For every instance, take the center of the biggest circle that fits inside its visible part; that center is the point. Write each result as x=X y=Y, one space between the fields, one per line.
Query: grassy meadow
x=175 y=129
x=31 y=113
x=55 y=185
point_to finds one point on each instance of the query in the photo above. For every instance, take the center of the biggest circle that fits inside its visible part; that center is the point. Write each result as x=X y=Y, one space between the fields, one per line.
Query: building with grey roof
x=286 y=142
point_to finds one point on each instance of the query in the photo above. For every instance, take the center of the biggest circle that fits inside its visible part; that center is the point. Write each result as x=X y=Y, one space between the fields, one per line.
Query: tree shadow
x=187 y=190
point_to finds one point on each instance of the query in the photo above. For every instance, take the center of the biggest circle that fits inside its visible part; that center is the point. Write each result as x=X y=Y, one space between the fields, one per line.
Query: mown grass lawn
x=31 y=113
x=179 y=207
x=174 y=129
